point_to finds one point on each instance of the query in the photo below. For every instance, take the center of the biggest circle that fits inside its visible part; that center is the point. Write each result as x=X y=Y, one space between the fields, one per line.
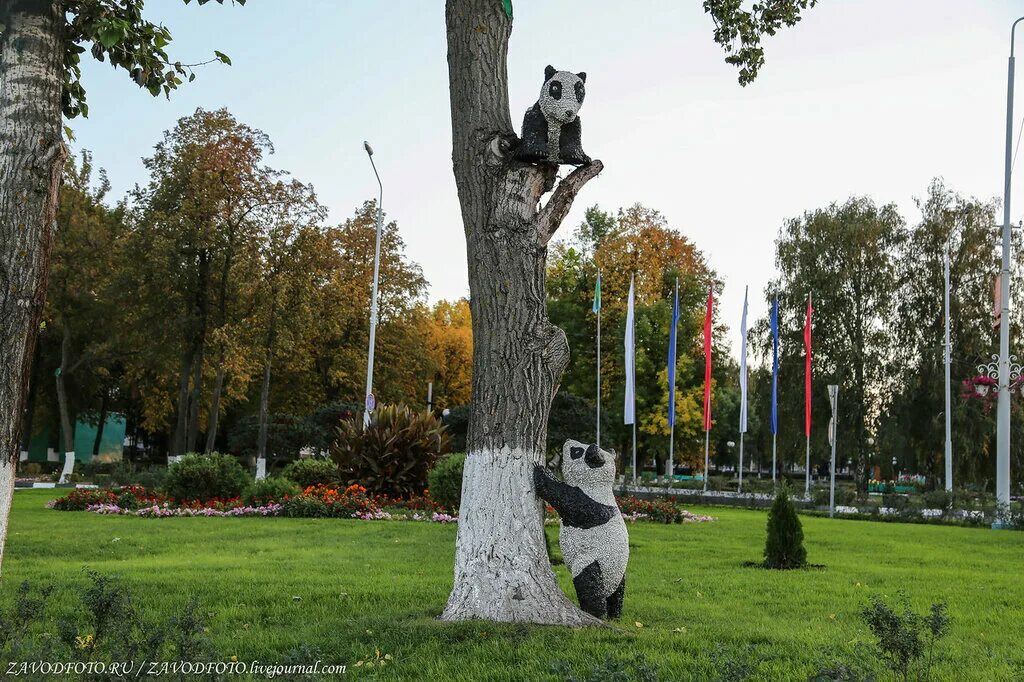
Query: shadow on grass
x=765 y=566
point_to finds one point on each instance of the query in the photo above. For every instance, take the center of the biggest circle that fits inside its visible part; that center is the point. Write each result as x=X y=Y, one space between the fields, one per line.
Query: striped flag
x=775 y=364
x=629 y=411
x=743 y=366
x=707 y=358
x=672 y=359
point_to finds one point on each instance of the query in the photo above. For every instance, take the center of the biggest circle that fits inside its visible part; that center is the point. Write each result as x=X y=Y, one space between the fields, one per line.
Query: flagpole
x=707 y=438
x=634 y=445
x=597 y=304
x=807 y=469
x=807 y=398
x=672 y=386
x=949 y=436
x=773 y=459
x=743 y=385
x=739 y=489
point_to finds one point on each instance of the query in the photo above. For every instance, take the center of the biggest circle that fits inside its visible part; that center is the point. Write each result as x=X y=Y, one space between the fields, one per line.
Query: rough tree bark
x=31 y=160
x=502 y=571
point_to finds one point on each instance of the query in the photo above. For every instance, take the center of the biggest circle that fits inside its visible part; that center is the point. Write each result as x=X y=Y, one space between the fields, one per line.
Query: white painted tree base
x=7 y=467
x=69 y=467
x=261 y=468
x=171 y=459
x=502 y=570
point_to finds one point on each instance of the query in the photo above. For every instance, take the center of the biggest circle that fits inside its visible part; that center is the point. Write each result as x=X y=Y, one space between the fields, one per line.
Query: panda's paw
x=539 y=478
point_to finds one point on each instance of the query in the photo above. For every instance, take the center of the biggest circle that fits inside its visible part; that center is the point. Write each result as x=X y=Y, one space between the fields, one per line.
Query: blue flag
x=672 y=360
x=775 y=364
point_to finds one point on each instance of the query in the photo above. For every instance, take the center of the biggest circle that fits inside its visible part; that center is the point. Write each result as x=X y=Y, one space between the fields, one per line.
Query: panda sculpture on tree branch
x=551 y=127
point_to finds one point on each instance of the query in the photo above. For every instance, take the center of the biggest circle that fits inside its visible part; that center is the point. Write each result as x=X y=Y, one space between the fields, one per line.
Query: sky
x=870 y=98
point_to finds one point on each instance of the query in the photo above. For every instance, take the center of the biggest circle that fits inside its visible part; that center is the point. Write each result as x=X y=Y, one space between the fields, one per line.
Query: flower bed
x=322 y=501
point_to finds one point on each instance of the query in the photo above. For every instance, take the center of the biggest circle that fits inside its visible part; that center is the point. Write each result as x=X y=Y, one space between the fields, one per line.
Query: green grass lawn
x=691 y=606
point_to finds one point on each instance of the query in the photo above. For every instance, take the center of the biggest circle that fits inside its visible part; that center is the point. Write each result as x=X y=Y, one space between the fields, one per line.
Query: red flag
x=807 y=372
x=707 y=361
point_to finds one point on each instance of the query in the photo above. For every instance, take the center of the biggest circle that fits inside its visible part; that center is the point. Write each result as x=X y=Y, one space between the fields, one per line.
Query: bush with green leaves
x=204 y=477
x=270 y=490
x=905 y=638
x=784 y=548
x=311 y=471
x=393 y=454
x=445 y=480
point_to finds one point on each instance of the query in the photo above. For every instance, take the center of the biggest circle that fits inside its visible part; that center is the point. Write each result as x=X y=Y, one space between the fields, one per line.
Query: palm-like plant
x=393 y=454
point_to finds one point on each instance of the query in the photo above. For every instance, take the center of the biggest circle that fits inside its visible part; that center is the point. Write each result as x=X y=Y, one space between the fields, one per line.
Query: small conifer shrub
x=784 y=548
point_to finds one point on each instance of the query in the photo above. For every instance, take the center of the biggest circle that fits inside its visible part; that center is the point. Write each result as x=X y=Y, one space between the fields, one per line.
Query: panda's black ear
x=583 y=76
x=549 y=71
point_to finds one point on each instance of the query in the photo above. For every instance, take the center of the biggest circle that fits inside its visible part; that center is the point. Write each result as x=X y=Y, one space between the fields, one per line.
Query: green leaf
x=223 y=57
x=507 y=6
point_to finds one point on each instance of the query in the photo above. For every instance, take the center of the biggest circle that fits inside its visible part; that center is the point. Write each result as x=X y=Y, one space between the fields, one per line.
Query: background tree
x=847 y=255
x=197 y=214
x=80 y=306
x=636 y=241
x=41 y=42
x=912 y=423
x=449 y=339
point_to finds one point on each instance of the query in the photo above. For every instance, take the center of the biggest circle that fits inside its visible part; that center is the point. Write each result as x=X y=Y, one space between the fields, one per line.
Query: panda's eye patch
x=575 y=453
x=555 y=90
x=580 y=92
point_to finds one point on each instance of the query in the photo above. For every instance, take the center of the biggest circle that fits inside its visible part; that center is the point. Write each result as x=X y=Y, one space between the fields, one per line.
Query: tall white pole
x=707 y=440
x=834 y=436
x=773 y=459
x=739 y=488
x=807 y=469
x=599 y=373
x=430 y=396
x=370 y=401
x=1003 y=425
x=949 y=400
x=634 y=446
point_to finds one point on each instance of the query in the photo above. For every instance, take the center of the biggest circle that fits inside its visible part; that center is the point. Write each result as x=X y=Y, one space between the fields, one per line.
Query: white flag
x=743 y=367
x=629 y=412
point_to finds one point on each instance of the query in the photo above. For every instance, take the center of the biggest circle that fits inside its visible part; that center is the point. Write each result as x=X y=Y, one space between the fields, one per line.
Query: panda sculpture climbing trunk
x=502 y=572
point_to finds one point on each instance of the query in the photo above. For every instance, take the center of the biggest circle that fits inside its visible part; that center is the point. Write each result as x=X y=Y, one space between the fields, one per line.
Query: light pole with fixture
x=1003 y=413
x=371 y=402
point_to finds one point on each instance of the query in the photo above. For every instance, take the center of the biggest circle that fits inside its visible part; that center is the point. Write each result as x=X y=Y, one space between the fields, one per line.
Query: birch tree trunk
x=31 y=160
x=502 y=571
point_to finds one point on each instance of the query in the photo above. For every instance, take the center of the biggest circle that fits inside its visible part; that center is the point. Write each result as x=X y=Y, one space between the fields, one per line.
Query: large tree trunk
x=211 y=421
x=502 y=571
x=31 y=160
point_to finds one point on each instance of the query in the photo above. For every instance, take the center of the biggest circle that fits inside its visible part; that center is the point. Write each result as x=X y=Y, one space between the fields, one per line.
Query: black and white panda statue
x=551 y=128
x=593 y=537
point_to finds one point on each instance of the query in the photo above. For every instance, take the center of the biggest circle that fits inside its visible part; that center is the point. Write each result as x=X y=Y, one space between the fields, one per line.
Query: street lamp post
x=1003 y=424
x=370 y=400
